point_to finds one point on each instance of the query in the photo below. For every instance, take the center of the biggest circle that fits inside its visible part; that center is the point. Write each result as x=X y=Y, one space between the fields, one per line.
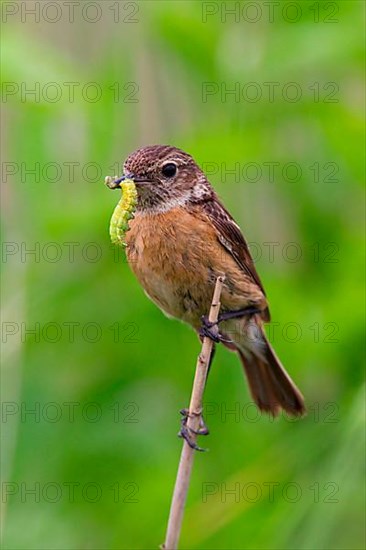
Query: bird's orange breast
x=176 y=257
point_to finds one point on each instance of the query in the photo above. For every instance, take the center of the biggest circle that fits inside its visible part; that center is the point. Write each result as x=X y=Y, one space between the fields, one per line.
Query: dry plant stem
x=195 y=409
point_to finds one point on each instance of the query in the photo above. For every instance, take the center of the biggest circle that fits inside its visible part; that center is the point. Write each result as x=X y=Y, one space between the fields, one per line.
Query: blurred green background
x=104 y=371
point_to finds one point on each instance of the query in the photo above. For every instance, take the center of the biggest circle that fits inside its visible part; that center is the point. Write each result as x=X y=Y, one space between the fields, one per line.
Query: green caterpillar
x=124 y=210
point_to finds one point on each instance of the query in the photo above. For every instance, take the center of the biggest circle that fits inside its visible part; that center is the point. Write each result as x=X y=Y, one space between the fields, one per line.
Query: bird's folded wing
x=231 y=238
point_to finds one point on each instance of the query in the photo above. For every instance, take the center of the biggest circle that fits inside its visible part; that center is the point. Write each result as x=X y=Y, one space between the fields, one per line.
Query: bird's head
x=165 y=177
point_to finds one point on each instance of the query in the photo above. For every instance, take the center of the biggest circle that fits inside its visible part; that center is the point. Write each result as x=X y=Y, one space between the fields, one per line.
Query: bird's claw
x=186 y=432
x=210 y=330
x=207 y=329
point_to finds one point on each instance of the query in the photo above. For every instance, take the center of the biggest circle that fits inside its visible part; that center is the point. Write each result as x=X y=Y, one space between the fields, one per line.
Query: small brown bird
x=180 y=240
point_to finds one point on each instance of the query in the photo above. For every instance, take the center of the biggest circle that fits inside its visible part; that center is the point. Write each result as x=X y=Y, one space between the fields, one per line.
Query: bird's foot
x=211 y=330
x=188 y=433
x=208 y=327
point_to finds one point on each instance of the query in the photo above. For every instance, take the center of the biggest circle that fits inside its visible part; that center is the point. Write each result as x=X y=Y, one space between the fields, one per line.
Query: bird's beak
x=115 y=183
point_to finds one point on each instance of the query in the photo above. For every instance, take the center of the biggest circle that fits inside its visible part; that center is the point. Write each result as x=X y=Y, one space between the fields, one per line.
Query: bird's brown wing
x=231 y=238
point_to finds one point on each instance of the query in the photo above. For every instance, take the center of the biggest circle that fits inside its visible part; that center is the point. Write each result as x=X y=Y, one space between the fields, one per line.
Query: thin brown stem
x=195 y=410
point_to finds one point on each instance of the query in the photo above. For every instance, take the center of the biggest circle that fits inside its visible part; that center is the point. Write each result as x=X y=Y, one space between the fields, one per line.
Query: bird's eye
x=169 y=169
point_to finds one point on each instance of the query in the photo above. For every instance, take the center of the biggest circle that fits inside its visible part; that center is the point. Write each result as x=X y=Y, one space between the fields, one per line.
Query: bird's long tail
x=270 y=386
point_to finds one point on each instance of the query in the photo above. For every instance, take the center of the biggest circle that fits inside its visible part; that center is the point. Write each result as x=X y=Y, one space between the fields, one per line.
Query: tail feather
x=270 y=385
x=290 y=397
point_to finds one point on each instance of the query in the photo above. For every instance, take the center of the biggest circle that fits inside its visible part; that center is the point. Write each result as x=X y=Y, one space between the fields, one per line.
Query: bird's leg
x=210 y=329
x=251 y=310
x=207 y=326
x=213 y=352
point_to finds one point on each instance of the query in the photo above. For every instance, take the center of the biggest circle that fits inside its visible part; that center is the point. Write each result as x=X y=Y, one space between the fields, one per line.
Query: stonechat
x=180 y=240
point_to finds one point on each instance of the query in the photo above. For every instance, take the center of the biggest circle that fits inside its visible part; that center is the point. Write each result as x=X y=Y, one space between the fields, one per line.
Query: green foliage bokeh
x=118 y=449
